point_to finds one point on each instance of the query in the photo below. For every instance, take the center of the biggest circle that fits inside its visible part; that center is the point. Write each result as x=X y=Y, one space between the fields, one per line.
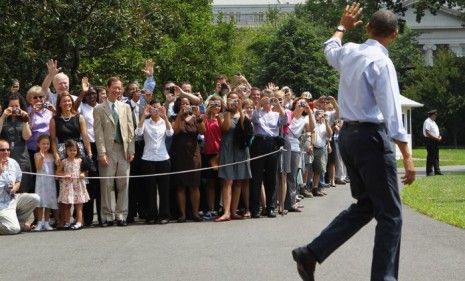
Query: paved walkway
x=238 y=250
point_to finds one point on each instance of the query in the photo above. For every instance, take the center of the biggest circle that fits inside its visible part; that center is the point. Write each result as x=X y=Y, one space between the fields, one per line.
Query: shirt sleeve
x=150 y=84
x=139 y=131
x=387 y=96
x=333 y=49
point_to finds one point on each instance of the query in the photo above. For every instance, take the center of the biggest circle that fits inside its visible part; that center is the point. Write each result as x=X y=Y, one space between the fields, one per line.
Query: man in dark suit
x=135 y=184
x=369 y=102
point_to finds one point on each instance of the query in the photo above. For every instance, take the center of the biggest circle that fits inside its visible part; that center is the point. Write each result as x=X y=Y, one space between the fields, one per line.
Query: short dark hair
x=383 y=23
x=72 y=143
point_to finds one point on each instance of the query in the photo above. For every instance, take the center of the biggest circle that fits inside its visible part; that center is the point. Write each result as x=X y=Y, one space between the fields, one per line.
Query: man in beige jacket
x=114 y=137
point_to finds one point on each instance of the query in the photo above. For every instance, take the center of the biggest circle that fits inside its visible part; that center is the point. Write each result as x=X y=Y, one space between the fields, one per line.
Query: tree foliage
x=293 y=56
x=441 y=87
x=113 y=37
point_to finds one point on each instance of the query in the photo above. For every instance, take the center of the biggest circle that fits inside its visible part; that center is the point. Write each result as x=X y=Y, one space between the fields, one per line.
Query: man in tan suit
x=114 y=137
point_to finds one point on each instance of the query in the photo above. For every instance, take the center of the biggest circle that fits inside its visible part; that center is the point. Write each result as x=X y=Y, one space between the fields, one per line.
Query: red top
x=212 y=137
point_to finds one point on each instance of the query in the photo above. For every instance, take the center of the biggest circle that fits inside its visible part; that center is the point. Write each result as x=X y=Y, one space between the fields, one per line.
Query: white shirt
x=368 y=87
x=154 y=137
x=321 y=136
x=87 y=112
x=296 y=128
x=430 y=126
x=9 y=176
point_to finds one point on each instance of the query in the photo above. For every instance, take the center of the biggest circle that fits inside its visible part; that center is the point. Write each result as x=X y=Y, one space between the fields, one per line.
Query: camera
x=45 y=105
x=224 y=87
x=215 y=104
x=16 y=111
x=172 y=90
x=154 y=110
x=302 y=103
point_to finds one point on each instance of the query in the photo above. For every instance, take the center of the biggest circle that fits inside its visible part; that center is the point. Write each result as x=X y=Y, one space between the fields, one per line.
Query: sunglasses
x=4 y=149
x=38 y=97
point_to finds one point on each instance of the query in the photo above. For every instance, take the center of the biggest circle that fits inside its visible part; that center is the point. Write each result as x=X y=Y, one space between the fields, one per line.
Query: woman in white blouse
x=155 y=127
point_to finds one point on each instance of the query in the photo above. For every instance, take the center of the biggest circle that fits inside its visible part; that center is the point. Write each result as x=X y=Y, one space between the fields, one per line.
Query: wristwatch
x=341 y=28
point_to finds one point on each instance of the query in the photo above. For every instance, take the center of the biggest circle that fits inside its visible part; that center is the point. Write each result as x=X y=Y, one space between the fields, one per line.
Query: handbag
x=87 y=164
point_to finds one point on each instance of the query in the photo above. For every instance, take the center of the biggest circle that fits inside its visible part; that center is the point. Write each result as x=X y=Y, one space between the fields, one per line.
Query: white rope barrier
x=170 y=173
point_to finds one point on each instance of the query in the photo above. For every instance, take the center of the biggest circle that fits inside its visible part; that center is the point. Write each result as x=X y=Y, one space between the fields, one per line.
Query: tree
x=114 y=37
x=294 y=57
x=441 y=87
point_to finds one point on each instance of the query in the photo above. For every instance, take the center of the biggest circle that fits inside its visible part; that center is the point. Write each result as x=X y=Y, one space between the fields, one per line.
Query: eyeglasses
x=5 y=150
x=38 y=97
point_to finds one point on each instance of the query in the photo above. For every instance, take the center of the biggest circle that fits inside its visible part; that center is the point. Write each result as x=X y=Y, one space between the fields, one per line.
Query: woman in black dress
x=185 y=155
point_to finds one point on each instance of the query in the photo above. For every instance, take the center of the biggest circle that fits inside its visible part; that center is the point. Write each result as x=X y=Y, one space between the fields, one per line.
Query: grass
x=447 y=157
x=440 y=197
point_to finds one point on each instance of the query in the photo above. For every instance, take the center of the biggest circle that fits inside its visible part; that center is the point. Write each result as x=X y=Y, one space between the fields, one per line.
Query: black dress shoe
x=197 y=218
x=255 y=215
x=163 y=221
x=121 y=223
x=438 y=173
x=149 y=221
x=429 y=174
x=106 y=223
x=306 y=263
x=271 y=214
x=130 y=220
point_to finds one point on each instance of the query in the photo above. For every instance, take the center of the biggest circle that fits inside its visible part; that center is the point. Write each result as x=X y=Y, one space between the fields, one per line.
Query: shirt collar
x=373 y=42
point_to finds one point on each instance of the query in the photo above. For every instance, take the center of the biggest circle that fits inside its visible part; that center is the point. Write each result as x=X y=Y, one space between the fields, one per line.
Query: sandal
x=76 y=226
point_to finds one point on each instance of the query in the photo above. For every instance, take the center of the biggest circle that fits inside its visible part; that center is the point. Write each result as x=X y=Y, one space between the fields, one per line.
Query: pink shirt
x=212 y=136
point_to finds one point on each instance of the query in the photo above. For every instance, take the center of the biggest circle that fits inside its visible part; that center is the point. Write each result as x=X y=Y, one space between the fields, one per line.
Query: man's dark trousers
x=369 y=156
x=432 y=157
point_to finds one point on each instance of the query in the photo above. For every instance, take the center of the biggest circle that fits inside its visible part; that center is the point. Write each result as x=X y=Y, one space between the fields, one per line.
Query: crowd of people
x=240 y=152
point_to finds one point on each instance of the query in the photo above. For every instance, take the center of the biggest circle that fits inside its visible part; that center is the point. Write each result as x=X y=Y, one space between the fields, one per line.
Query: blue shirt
x=8 y=177
x=149 y=85
x=368 y=87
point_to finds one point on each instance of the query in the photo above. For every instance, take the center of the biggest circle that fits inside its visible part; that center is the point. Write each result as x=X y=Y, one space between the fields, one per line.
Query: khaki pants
x=18 y=212
x=118 y=166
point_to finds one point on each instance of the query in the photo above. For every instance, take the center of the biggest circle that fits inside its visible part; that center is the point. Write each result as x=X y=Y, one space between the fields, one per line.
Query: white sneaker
x=47 y=226
x=39 y=226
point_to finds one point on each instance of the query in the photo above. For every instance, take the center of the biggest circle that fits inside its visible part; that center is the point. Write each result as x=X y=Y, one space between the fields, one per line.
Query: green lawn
x=440 y=197
x=447 y=157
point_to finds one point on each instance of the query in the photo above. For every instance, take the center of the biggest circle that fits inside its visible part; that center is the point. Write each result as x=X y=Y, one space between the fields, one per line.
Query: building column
x=457 y=49
x=429 y=49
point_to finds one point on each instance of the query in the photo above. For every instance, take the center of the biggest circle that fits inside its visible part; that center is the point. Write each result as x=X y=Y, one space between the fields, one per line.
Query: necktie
x=114 y=113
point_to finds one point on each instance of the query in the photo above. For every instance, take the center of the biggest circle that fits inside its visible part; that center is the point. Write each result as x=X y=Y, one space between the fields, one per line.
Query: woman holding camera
x=267 y=123
x=185 y=155
x=14 y=127
x=40 y=114
x=155 y=160
x=210 y=156
x=234 y=148
x=302 y=121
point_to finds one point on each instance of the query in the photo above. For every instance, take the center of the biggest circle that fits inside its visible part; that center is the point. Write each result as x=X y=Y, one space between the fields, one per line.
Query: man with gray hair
x=60 y=82
x=369 y=103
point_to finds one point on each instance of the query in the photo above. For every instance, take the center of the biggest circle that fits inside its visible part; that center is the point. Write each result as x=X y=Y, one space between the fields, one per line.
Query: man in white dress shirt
x=369 y=105
x=432 y=139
